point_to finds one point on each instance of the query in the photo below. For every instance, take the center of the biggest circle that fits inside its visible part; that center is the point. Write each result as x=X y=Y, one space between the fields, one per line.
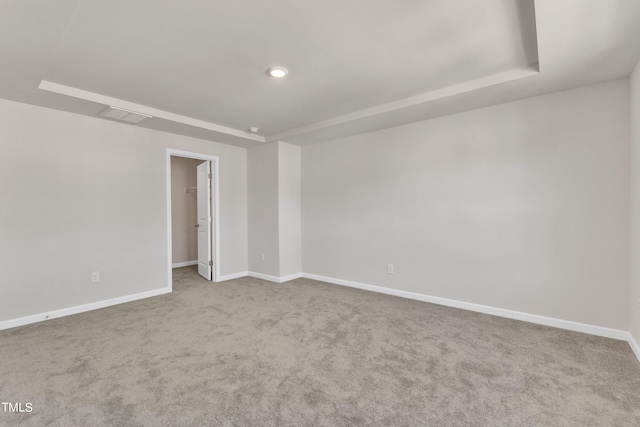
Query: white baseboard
x=268 y=277
x=184 y=264
x=21 y=321
x=233 y=276
x=290 y=277
x=275 y=279
x=532 y=318
x=634 y=345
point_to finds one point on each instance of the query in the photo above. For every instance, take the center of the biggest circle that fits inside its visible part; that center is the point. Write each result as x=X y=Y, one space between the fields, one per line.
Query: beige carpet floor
x=305 y=353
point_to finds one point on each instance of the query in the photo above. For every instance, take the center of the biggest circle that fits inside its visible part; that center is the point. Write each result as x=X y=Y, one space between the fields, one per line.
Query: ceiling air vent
x=121 y=114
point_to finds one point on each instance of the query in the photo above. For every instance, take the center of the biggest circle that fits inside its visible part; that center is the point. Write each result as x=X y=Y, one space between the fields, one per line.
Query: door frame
x=215 y=211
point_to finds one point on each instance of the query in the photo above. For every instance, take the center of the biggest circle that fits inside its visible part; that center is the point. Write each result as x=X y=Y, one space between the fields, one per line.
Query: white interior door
x=205 y=261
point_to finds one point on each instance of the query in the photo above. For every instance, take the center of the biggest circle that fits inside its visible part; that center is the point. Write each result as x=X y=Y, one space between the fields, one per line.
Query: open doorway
x=192 y=213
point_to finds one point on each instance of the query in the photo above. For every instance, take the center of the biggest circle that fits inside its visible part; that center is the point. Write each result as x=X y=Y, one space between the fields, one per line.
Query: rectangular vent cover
x=121 y=114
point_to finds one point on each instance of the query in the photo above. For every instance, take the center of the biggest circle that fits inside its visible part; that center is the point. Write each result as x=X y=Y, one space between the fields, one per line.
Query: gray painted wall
x=81 y=194
x=289 y=174
x=274 y=209
x=263 y=209
x=634 y=290
x=521 y=206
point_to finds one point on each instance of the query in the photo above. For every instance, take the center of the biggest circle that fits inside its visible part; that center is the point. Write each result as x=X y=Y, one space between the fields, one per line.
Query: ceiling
x=199 y=67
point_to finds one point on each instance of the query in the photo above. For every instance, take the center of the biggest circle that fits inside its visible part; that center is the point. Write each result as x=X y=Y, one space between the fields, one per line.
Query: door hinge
x=210 y=176
x=211 y=263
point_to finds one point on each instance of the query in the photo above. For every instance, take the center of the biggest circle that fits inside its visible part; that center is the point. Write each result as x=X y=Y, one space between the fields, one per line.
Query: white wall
x=634 y=290
x=184 y=236
x=81 y=194
x=290 y=230
x=521 y=206
x=262 y=163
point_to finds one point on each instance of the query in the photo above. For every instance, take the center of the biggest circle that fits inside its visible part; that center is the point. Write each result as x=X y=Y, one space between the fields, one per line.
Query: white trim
x=184 y=264
x=634 y=345
x=215 y=173
x=21 y=321
x=233 y=276
x=169 y=237
x=290 y=277
x=501 y=312
x=268 y=277
x=215 y=208
x=531 y=318
x=276 y=279
x=145 y=110
x=494 y=79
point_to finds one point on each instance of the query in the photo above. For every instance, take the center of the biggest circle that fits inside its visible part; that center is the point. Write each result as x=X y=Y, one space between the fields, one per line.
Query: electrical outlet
x=95 y=277
x=390 y=268
x=262 y=256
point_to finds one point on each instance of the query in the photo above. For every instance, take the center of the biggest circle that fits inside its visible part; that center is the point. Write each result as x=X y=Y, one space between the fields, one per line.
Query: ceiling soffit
x=80 y=70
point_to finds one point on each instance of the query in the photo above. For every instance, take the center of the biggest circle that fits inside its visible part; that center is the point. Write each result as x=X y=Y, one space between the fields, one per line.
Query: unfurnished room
x=320 y=213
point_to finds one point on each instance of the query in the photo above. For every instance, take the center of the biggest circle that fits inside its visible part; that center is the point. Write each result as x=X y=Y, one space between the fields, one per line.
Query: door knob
x=197 y=225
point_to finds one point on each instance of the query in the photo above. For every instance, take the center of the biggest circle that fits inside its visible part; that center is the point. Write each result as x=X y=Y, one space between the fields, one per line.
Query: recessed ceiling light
x=277 y=71
x=253 y=129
